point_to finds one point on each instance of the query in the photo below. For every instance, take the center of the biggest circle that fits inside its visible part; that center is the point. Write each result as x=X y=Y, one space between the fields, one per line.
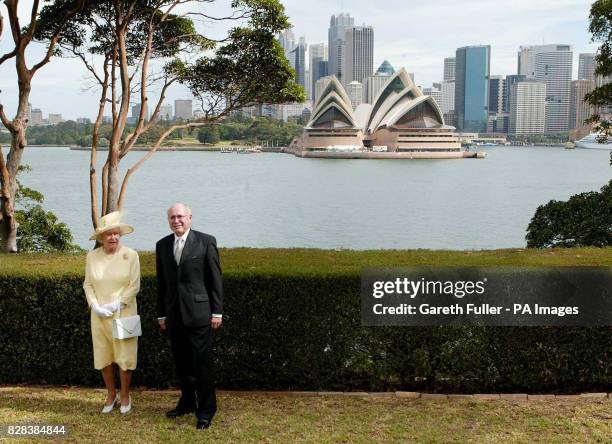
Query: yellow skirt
x=106 y=349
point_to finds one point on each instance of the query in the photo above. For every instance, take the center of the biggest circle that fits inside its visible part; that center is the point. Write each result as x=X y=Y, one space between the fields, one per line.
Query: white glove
x=113 y=306
x=101 y=311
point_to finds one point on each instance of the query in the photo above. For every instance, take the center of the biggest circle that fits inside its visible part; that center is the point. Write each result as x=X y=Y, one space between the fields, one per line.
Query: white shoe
x=109 y=408
x=127 y=408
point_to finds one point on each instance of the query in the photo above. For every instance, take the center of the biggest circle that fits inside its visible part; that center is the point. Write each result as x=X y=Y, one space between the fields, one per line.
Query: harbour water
x=278 y=200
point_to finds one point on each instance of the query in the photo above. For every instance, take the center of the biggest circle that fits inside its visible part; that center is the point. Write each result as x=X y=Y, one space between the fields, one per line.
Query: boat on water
x=590 y=142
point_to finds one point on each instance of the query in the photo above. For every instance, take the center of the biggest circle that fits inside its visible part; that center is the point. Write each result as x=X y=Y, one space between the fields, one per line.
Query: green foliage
x=295 y=331
x=584 y=220
x=209 y=134
x=39 y=230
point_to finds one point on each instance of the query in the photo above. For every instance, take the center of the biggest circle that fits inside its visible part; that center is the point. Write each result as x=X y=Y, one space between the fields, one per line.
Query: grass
x=261 y=417
x=315 y=261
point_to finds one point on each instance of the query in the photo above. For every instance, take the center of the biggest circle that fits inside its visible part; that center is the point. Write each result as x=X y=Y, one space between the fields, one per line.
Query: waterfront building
x=471 y=87
x=359 y=54
x=511 y=80
x=401 y=119
x=579 y=110
x=528 y=110
x=355 y=93
x=83 y=120
x=336 y=34
x=449 y=68
x=296 y=109
x=183 y=109
x=586 y=66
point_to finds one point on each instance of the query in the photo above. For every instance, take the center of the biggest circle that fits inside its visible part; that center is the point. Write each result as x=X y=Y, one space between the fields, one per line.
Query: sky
x=416 y=35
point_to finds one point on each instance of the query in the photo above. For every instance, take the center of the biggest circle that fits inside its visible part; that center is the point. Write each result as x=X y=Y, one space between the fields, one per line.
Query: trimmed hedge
x=292 y=331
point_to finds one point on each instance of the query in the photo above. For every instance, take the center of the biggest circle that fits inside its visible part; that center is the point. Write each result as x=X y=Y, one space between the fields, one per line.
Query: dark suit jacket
x=189 y=293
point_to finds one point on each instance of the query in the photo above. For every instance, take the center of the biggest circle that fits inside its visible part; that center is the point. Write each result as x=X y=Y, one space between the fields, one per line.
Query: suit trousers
x=192 y=352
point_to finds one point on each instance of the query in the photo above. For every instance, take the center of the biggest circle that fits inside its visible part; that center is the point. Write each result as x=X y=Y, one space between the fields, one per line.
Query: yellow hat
x=110 y=222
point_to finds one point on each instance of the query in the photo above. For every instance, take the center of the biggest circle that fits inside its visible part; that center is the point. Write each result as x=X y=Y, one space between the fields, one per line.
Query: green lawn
x=259 y=417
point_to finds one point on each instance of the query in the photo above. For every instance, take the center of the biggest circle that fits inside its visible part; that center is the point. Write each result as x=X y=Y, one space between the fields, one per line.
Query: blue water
x=278 y=200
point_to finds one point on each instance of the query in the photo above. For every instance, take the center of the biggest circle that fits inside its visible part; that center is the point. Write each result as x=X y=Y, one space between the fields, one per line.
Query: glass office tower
x=472 y=67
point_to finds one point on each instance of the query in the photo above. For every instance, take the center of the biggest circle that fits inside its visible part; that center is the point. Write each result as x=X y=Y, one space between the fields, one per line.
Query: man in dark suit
x=190 y=306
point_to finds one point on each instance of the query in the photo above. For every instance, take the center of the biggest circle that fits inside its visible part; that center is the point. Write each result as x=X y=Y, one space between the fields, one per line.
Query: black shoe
x=203 y=423
x=179 y=411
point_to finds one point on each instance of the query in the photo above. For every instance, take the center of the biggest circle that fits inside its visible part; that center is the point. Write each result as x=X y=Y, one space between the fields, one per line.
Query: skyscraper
x=447 y=96
x=526 y=62
x=336 y=36
x=496 y=94
x=586 y=66
x=317 y=53
x=297 y=60
x=355 y=92
x=471 y=87
x=553 y=66
x=528 y=110
x=449 y=68
x=511 y=80
x=359 y=54
x=385 y=69
x=287 y=40
x=579 y=110
x=183 y=109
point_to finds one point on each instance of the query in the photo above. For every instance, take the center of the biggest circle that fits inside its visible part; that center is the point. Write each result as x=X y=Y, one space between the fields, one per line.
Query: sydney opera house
x=400 y=123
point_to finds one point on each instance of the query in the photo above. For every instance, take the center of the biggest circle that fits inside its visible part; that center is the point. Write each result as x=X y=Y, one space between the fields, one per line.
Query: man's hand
x=215 y=322
x=162 y=323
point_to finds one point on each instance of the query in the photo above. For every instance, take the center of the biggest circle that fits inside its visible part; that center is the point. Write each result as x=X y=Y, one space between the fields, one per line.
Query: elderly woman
x=112 y=280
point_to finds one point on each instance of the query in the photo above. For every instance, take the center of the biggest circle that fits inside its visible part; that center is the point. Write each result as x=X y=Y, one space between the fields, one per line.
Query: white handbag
x=127 y=327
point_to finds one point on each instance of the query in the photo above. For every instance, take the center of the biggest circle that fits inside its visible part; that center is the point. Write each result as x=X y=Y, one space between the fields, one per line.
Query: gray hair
x=185 y=206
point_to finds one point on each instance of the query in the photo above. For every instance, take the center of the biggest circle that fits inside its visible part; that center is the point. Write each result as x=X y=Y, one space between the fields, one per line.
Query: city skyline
x=436 y=30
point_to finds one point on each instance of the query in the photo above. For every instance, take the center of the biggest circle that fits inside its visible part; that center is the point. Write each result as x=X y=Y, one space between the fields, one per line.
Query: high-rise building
x=319 y=70
x=526 y=61
x=496 y=94
x=579 y=110
x=359 y=54
x=511 y=80
x=373 y=85
x=471 y=87
x=586 y=66
x=385 y=69
x=320 y=86
x=54 y=119
x=449 y=68
x=336 y=37
x=136 y=112
x=287 y=40
x=183 y=109
x=447 y=96
x=36 y=117
x=297 y=60
x=528 y=110
x=435 y=93
x=355 y=93
x=553 y=66
x=165 y=112
x=317 y=53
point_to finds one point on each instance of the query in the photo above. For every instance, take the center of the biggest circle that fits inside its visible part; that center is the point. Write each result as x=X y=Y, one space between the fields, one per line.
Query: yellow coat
x=107 y=277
